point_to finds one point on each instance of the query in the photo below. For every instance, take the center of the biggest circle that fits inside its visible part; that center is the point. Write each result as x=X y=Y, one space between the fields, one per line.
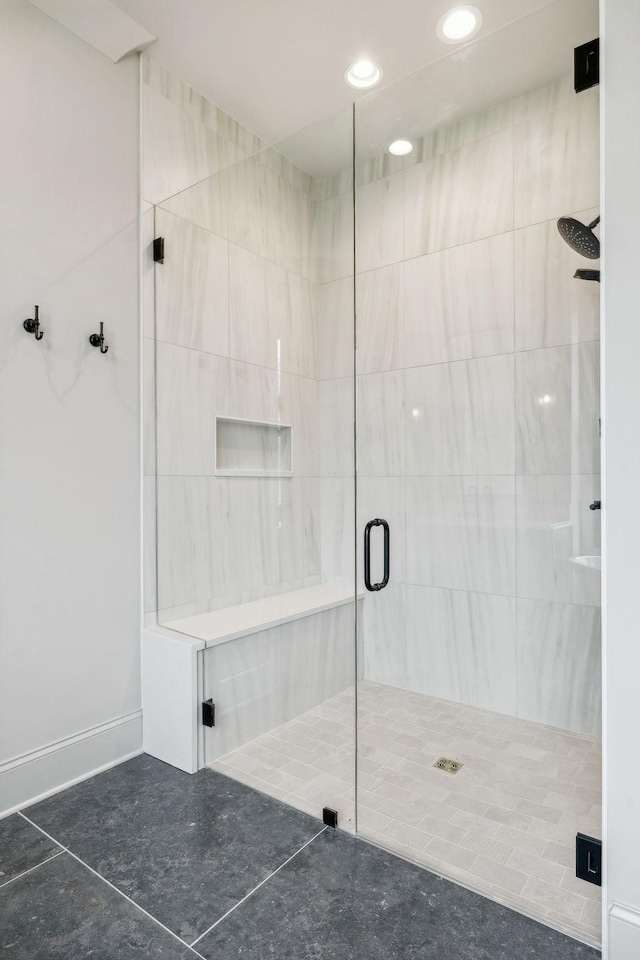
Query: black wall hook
x=33 y=326
x=97 y=339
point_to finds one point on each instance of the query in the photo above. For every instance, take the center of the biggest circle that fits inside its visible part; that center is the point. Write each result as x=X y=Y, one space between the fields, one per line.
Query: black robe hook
x=33 y=326
x=97 y=339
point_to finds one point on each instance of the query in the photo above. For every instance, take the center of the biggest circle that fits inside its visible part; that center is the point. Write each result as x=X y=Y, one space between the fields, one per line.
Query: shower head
x=580 y=237
x=587 y=275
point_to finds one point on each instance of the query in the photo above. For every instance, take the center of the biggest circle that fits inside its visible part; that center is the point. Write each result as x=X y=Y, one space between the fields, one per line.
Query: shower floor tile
x=504 y=825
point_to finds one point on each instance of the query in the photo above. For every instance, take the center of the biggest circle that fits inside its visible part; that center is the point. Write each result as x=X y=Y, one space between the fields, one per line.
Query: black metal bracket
x=586 y=65
x=208 y=713
x=589 y=859
x=97 y=339
x=330 y=817
x=33 y=326
x=158 y=250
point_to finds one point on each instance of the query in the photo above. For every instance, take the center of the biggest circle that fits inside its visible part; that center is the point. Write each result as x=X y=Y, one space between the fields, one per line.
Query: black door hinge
x=586 y=65
x=208 y=713
x=158 y=250
x=589 y=859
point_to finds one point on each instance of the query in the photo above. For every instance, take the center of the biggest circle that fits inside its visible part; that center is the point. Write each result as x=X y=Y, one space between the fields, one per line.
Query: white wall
x=69 y=436
x=621 y=435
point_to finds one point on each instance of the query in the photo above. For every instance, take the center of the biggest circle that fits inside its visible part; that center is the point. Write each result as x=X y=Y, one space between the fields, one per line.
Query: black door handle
x=367 y=555
x=595 y=505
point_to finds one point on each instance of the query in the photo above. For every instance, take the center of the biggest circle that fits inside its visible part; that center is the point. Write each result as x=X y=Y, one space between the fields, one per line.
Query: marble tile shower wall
x=477 y=408
x=233 y=332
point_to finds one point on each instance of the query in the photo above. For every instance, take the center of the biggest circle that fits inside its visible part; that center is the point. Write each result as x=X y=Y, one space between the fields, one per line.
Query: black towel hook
x=97 y=339
x=33 y=325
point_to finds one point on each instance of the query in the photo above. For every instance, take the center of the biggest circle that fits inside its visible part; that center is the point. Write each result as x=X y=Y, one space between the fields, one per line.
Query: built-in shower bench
x=260 y=663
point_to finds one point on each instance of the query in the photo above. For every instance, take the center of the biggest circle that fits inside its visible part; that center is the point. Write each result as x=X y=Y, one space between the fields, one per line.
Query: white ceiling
x=277 y=66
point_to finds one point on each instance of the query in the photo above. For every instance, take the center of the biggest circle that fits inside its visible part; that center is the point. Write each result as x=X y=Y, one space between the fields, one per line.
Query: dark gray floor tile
x=342 y=899
x=62 y=911
x=21 y=847
x=186 y=848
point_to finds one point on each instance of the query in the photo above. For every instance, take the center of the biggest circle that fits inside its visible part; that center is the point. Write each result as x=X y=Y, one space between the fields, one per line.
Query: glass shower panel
x=255 y=478
x=478 y=445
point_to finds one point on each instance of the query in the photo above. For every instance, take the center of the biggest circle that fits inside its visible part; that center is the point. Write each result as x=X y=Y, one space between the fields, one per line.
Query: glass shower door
x=477 y=464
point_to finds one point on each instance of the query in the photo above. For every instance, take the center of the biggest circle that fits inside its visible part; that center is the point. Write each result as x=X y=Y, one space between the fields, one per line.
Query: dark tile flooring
x=144 y=861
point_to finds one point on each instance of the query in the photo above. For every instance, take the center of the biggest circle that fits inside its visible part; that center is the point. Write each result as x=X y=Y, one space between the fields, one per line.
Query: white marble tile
x=192 y=388
x=149 y=544
x=461 y=533
x=336 y=427
x=192 y=286
x=208 y=204
x=338 y=543
x=459 y=417
x=551 y=306
x=311 y=494
x=543 y=100
x=254 y=207
x=557 y=410
x=335 y=328
x=379 y=306
x=556 y=161
x=148 y=268
x=559 y=665
x=332 y=238
x=178 y=149
x=303 y=398
x=458 y=303
x=459 y=196
x=267 y=532
x=268 y=679
x=462 y=647
x=262 y=302
x=379 y=220
x=476 y=127
x=272 y=315
x=314 y=660
x=149 y=406
x=268 y=215
x=193 y=539
x=385 y=635
x=554 y=527
x=380 y=425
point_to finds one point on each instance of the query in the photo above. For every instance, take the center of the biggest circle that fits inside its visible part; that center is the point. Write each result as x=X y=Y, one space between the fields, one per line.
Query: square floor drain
x=449 y=766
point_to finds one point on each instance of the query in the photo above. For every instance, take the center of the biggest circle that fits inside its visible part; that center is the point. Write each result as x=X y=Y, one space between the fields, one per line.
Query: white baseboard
x=624 y=932
x=25 y=780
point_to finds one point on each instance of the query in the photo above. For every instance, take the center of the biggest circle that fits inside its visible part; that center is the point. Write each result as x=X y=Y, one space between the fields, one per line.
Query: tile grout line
x=257 y=887
x=30 y=870
x=113 y=887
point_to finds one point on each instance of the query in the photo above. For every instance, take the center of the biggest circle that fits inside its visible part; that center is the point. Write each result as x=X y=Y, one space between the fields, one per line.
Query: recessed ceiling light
x=458 y=24
x=400 y=148
x=363 y=74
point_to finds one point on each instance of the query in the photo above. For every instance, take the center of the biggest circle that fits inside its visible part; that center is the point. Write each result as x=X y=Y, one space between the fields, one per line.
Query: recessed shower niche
x=252 y=448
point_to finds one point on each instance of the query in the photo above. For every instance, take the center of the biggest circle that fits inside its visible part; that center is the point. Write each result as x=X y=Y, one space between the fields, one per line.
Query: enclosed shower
x=371 y=448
